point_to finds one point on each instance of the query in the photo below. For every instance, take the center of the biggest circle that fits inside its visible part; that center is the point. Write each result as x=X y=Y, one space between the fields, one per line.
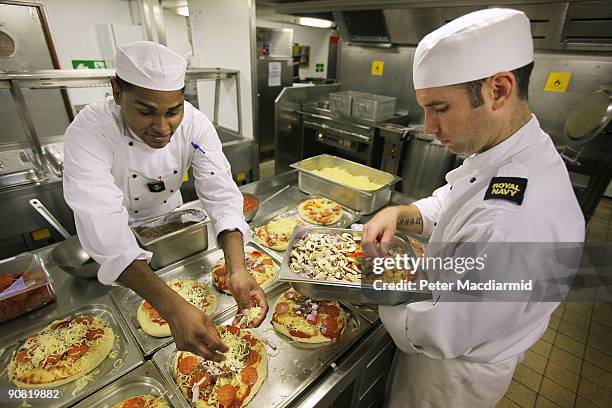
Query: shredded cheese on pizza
x=192 y=291
x=215 y=376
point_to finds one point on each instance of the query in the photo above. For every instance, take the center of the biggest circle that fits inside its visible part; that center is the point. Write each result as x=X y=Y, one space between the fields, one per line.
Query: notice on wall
x=88 y=64
x=196 y=21
x=377 y=68
x=274 y=74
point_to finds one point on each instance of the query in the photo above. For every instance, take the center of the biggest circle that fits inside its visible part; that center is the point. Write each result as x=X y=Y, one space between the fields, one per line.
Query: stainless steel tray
x=174 y=246
x=292 y=366
x=197 y=267
x=363 y=201
x=127 y=358
x=144 y=380
x=353 y=292
x=349 y=216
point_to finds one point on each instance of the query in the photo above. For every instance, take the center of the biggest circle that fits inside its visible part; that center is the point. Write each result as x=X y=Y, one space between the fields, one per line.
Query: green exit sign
x=88 y=64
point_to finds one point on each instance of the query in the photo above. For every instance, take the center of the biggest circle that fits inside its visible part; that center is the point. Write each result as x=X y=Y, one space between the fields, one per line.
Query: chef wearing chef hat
x=124 y=161
x=471 y=78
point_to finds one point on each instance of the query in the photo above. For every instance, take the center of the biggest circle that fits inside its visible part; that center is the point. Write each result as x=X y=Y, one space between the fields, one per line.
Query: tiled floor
x=571 y=365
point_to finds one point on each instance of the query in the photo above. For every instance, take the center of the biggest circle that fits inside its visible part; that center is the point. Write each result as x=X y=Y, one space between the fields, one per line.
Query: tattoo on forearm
x=405 y=222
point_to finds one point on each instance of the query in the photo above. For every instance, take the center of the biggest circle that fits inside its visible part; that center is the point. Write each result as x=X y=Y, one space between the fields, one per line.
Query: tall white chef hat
x=474 y=46
x=151 y=65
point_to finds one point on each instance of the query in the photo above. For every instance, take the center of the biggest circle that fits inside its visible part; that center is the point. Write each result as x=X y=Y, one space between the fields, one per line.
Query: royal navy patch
x=507 y=188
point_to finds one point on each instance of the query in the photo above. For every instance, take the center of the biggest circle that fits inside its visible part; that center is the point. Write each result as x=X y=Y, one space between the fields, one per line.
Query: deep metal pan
x=363 y=201
x=353 y=292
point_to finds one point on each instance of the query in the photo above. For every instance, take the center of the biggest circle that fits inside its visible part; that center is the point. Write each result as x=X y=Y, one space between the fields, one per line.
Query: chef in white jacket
x=124 y=161
x=471 y=77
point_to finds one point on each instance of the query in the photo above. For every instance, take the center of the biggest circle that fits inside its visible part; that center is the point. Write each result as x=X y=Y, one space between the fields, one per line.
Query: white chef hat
x=151 y=65
x=474 y=46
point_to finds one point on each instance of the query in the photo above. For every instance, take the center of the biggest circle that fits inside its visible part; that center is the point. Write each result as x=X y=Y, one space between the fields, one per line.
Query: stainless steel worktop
x=72 y=292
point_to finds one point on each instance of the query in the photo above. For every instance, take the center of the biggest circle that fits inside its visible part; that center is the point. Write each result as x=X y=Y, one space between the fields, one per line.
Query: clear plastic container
x=25 y=285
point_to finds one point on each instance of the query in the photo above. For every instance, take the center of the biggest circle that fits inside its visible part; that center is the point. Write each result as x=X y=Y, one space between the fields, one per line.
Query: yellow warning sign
x=377 y=67
x=41 y=234
x=557 y=81
x=185 y=177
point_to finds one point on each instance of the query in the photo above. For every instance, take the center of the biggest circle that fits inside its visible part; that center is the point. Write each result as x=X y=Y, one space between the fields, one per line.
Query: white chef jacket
x=486 y=336
x=106 y=171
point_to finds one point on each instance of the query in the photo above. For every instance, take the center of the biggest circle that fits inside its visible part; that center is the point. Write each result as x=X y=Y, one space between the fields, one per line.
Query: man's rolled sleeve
x=430 y=209
x=112 y=266
x=231 y=223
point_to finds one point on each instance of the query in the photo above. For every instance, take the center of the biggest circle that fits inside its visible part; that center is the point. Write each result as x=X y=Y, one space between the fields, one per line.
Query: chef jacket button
x=165 y=201
x=175 y=171
x=134 y=175
x=212 y=173
x=172 y=191
x=451 y=187
x=131 y=143
x=473 y=179
x=435 y=224
x=135 y=198
x=135 y=211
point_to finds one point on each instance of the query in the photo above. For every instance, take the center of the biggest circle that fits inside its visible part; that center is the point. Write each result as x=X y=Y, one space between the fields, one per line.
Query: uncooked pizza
x=197 y=293
x=62 y=352
x=259 y=265
x=230 y=383
x=277 y=233
x=307 y=320
x=320 y=211
x=143 y=401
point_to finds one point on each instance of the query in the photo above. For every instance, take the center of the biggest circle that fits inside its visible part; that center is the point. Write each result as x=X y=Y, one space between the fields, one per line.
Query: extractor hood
x=362 y=26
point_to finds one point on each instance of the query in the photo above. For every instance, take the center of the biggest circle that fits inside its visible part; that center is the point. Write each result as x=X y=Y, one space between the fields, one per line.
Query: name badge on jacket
x=156 y=186
x=507 y=188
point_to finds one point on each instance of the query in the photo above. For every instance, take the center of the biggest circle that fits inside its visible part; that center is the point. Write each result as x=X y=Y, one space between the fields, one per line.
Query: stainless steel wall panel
x=354 y=70
x=551 y=108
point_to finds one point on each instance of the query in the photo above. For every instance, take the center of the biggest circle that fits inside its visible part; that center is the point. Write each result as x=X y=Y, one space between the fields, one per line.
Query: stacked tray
x=354 y=292
x=144 y=380
x=127 y=357
x=197 y=267
x=292 y=366
x=349 y=217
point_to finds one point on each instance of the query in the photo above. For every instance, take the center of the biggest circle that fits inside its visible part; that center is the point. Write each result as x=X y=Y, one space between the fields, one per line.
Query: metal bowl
x=70 y=256
x=248 y=215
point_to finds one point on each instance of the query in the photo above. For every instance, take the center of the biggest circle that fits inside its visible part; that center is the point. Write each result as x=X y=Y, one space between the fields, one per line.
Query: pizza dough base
x=90 y=360
x=304 y=214
x=318 y=338
x=163 y=330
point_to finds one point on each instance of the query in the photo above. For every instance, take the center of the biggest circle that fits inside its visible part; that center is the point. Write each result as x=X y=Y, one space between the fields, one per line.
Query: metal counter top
x=72 y=292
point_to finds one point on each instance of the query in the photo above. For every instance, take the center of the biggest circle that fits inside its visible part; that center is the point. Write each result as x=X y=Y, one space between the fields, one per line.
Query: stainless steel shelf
x=83 y=78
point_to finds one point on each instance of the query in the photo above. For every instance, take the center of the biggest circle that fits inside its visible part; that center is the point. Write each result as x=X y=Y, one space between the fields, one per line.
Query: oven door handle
x=323 y=126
